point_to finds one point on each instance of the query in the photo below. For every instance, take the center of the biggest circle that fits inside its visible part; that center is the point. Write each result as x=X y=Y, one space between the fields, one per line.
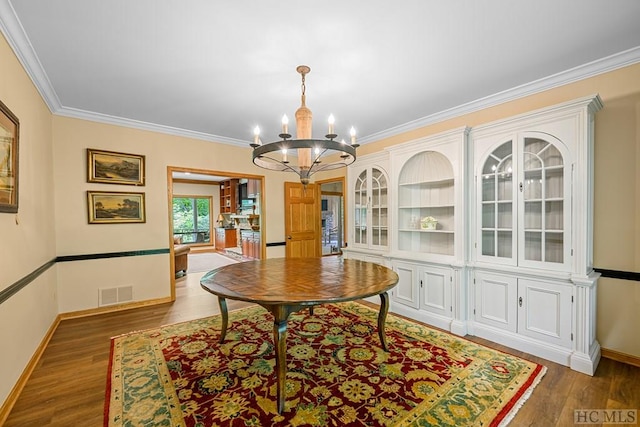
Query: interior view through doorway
x=332 y=216
x=215 y=218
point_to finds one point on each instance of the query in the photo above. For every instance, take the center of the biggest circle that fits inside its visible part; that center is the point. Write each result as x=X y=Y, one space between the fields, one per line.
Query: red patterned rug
x=337 y=374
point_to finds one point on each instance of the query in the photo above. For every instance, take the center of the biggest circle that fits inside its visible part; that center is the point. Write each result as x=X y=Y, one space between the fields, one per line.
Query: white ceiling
x=216 y=69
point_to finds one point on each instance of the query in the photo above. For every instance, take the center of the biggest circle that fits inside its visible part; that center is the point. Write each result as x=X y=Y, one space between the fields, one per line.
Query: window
x=192 y=219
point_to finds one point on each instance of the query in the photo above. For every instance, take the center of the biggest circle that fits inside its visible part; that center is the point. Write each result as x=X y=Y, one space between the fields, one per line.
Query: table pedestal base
x=281 y=314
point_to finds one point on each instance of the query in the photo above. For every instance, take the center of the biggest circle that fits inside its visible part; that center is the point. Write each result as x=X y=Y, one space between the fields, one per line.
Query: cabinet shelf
x=556 y=168
x=434 y=183
x=228 y=196
x=414 y=230
x=447 y=206
x=364 y=191
x=500 y=202
x=548 y=199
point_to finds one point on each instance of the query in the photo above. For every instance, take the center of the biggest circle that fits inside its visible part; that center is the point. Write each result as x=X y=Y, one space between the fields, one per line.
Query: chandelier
x=304 y=155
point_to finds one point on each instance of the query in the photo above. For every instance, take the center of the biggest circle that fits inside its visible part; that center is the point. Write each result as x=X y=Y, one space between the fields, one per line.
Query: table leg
x=225 y=318
x=280 y=342
x=382 y=317
x=280 y=315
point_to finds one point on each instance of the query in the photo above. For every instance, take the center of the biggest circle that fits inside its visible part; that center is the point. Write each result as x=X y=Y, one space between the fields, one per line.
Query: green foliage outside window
x=192 y=219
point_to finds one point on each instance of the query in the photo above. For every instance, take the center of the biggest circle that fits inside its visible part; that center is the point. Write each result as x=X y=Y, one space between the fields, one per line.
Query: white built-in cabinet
x=369 y=194
x=428 y=229
x=510 y=256
x=531 y=219
x=426 y=181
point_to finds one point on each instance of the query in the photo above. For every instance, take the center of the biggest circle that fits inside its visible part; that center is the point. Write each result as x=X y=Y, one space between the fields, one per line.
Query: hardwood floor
x=67 y=387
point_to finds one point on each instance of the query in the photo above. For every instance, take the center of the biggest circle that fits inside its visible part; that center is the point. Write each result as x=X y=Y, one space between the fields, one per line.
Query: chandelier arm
x=275 y=164
x=319 y=155
x=331 y=166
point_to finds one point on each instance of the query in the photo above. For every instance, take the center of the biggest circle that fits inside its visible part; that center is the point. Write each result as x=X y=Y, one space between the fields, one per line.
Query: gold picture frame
x=111 y=167
x=115 y=207
x=9 y=133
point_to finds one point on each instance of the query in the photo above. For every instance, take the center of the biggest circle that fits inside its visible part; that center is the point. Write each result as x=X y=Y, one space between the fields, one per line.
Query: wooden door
x=302 y=224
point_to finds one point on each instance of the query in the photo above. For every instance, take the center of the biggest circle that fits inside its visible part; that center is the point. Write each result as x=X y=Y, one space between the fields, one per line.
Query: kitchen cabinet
x=229 y=196
x=251 y=244
x=226 y=238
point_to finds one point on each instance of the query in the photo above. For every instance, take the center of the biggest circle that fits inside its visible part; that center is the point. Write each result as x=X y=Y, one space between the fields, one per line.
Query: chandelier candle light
x=312 y=155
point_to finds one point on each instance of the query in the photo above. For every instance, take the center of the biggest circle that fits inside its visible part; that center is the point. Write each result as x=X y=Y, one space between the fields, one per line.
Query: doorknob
x=289 y=237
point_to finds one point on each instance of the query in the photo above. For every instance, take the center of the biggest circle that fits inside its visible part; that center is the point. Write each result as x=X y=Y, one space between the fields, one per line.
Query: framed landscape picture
x=109 y=167
x=115 y=207
x=9 y=130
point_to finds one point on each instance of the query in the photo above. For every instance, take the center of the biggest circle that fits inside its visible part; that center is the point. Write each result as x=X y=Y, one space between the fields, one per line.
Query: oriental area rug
x=337 y=374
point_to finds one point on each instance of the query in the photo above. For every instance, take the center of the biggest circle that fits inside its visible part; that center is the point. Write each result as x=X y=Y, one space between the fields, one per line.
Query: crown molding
x=591 y=69
x=14 y=33
x=153 y=127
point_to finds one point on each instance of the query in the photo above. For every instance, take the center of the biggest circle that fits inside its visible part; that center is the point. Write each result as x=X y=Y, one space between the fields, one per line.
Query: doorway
x=332 y=216
x=232 y=213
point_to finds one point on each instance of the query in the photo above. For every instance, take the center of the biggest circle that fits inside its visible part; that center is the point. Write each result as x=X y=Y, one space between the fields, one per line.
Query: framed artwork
x=109 y=167
x=115 y=207
x=9 y=131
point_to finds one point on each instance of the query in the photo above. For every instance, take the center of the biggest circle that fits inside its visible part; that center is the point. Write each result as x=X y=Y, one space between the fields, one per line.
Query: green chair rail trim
x=14 y=288
x=7 y=293
x=618 y=274
x=274 y=244
x=67 y=258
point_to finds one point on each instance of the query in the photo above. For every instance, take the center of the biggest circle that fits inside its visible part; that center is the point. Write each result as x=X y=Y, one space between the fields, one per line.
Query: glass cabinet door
x=543 y=197
x=523 y=203
x=497 y=203
x=378 y=208
x=360 y=209
x=370 y=209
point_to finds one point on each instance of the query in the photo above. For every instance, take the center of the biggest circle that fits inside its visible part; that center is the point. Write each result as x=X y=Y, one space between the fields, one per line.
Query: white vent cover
x=109 y=296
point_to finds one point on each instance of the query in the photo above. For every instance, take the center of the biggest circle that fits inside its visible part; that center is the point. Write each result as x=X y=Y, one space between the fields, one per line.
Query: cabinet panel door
x=544 y=311
x=496 y=300
x=435 y=288
x=406 y=291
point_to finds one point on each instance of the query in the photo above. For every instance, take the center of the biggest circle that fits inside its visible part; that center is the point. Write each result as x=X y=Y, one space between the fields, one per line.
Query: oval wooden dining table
x=287 y=285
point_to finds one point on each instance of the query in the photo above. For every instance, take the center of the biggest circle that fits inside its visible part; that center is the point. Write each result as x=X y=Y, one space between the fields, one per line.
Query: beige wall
x=617 y=220
x=75 y=236
x=27 y=239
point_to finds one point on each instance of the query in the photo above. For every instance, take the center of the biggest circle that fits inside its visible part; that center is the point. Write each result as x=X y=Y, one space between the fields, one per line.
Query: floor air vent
x=108 y=296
